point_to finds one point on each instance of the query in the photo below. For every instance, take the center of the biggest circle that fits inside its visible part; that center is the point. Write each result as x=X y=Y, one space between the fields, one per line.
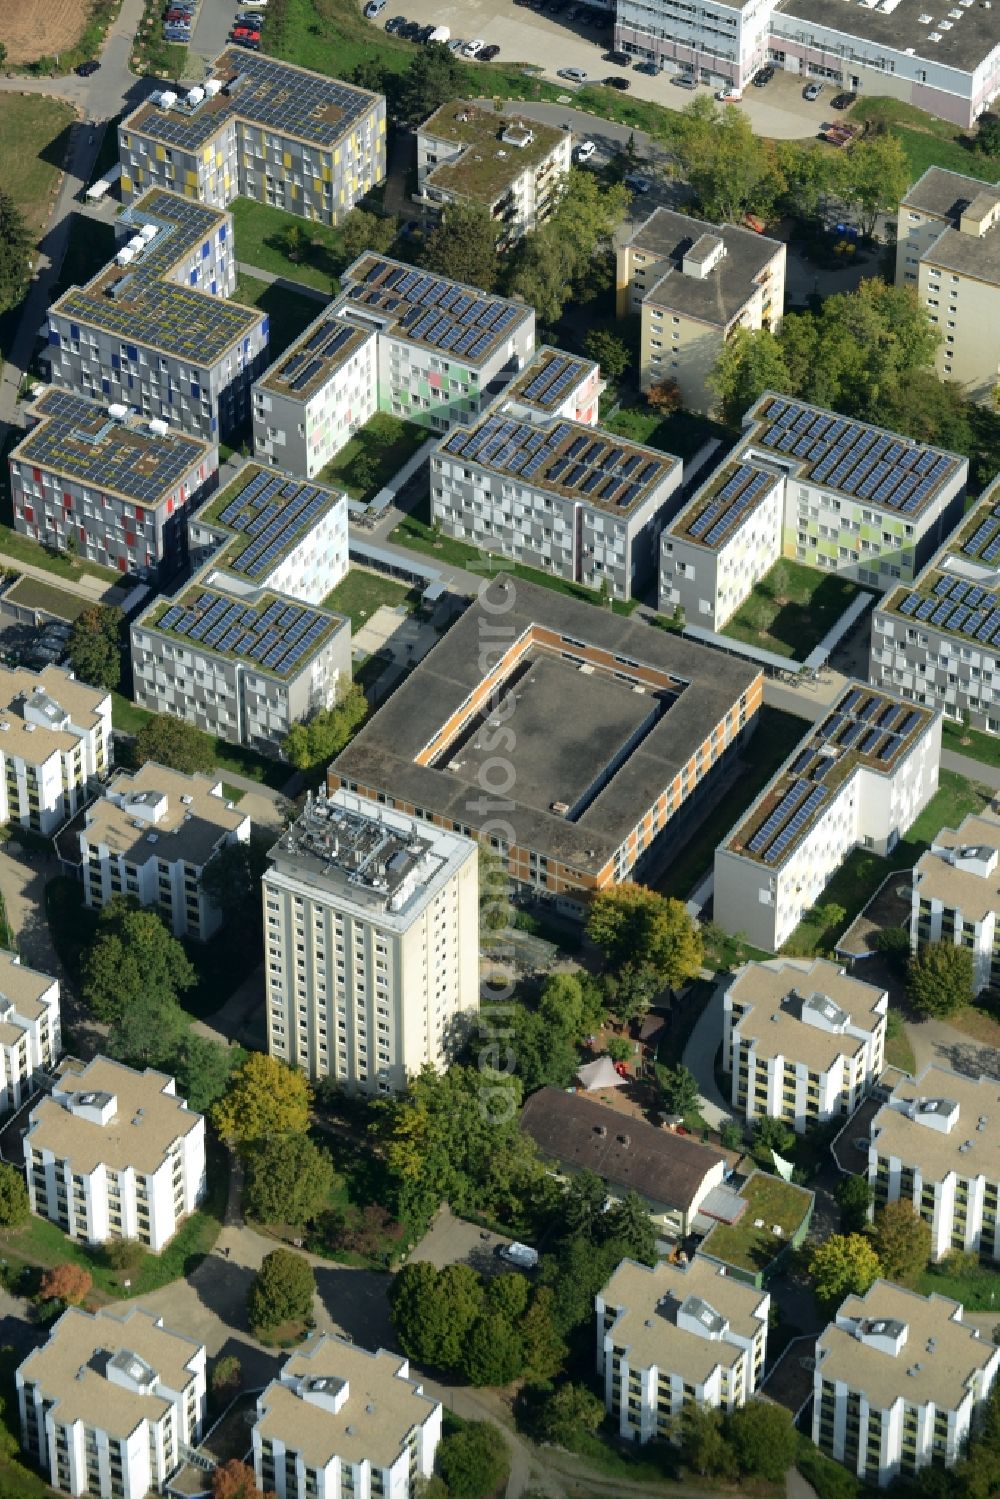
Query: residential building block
x=956 y=894
x=30 y=1029
x=55 y=738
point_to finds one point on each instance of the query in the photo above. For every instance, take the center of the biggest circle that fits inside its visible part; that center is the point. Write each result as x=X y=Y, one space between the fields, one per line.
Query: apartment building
x=673 y=1337
x=30 y=1029
x=956 y=895
x=113 y=1154
x=243 y=651
x=621 y=733
x=692 y=284
x=802 y=1042
x=899 y=1381
x=948 y=252
x=114 y=488
x=108 y=1402
x=371 y=937
x=934 y=1144
x=341 y=1420
x=151 y=837
x=858 y=779
x=55 y=737
x=555 y=385
x=947 y=64
x=583 y=505
x=154 y=330
x=514 y=169
x=262 y=129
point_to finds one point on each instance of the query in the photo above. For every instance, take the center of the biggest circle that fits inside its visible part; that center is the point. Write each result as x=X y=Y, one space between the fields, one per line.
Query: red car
x=245 y=34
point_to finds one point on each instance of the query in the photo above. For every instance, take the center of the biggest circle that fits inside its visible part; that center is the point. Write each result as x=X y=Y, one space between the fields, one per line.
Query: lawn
x=35 y=137
x=777 y=1202
x=289 y=312
x=23 y=549
x=972 y=743
x=965 y=1279
x=128 y=718
x=775 y=737
x=791 y=609
x=361 y=593
x=898 y=1049
x=374 y=455
x=862 y=872
x=682 y=434
x=34 y=594
x=927 y=141
x=260 y=236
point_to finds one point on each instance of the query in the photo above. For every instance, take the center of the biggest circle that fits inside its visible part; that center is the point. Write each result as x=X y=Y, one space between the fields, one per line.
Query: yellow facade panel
x=161 y=154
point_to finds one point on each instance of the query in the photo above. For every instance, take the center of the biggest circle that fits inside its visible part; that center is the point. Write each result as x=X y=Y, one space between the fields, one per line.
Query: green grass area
x=35 y=137
x=361 y=1180
x=681 y=433
x=129 y=718
x=927 y=140
x=151 y=53
x=261 y=231
x=361 y=593
x=639 y=114
x=749 y=1248
x=775 y=737
x=966 y=1279
x=862 y=872
x=34 y=594
x=791 y=609
x=898 y=1049
x=288 y=312
x=234 y=794
x=374 y=455
x=982 y=747
x=126 y=716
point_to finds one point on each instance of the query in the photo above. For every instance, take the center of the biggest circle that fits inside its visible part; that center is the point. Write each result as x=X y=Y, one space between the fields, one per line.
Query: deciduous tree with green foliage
x=874 y=176
x=363 y=231
x=226 y=1376
x=266 y=1098
x=433 y=77
x=434 y=1311
x=854 y=1197
x=494 y=894
x=473 y=1461
x=319 y=740
x=172 y=742
x=988 y=135
x=14 y=1202
x=748 y=364
x=463 y=246
x=732 y=170
x=494 y=1352
x=567 y=1412
x=95 y=646
x=630 y=923
x=763 y=1438
x=289 y=1180
x=132 y=975
x=679 y=1086
x=282 y=1291
x=940 y=979
x=544 y=1350
x=15 y=252
x=902 y=1241
x=202 y=1068
x=772 y=1134
x=231 y=880
x=610 y=352
x=703 y=1443
x=842 y=1265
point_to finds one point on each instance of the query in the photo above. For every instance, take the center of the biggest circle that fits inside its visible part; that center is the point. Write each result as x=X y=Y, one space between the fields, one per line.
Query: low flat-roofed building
x=371 y=929
x=55 y=738
x=513 y=168
x=859 y=777
x=937 y=641
x=936 y=1145
x=114 y=1154
x=618 y=730
x=557 y=385
x=155 y=329
x=108 y=1402
x=263 y=129
x=30 y=1029
x=556 y=495
x=151 y=837
x=675 y=1336
x=801 y=1042
x=898 y=1383
x=948 y=252
x=672 y=1173
x=119 y=488
x=692 y=283
x=956 y=894
x=341 y=1420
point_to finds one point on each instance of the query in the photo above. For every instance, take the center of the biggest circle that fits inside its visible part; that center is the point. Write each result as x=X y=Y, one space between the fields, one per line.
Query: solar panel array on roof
x=464 y=324
x=275 y=635
x=854 y=458
x=743 y=488
x=312 y=356
x=275 y=512
x=984 y=542
x=957 y=607
x=552 y=382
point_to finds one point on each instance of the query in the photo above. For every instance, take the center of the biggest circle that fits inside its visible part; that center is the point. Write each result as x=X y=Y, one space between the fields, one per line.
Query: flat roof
x=549 y=380
x=146 y=1121
x=71 y=1368
x=648 y=1299
x=937 y=1362
x=141 y=305
x=946 y=195
x=956 y=885
x=25 y=988
x=160 y=813
x=954 y=36
x=305 y=367
x=774 y=1025
x=958 y=592
x=462 y=324
x=497 y=149
x=267 y=514
x=258 y=90
x=382 y=1407
x=270 y=631
x=748 y=1242
x=78 y=439
x=964 y=1147
x=723 y=503
x=865 y=728
x=849 y=457
x=570 y=459
x=717 y=297
x=70 y=708
x=686 y=689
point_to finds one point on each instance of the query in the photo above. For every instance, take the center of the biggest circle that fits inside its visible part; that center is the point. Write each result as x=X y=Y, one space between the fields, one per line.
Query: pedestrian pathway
x=973 y=770
x=86 y=586
x=699 y=1058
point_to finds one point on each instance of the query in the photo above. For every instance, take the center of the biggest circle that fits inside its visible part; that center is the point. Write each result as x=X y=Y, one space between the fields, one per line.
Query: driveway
x=699 y=1058
x=937 y=1044
x=211 y=29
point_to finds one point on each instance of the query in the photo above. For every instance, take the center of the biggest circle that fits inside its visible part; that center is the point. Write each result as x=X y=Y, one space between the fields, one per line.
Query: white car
x=585 y=150
x=473 y=49
x=730 y=94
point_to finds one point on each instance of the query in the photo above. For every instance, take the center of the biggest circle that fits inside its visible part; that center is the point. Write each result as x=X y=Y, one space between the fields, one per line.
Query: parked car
x=489 y=53
x=812 y=92
x=651 y=69
x=374 y=8
x=255 y=4
x=456 y=44
x=763 y=76
x=252 y=43
x=585 y=150
x=684 y=80
x=86 y=68
x=395 y=26
x=424 y=34
x=473 y=48
x=618 y=82
x=408 y=31
x=620 y=59
x=637 y=184
x=575 y=75
x=730 y=94
x=521 y=1255
x=843 y=101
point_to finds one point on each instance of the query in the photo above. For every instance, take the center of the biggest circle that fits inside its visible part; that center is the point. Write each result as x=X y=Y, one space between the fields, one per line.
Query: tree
x=235 y=1480
x=123 y=1255
x=174 y=743
x=632 y=989
x=363 y=231
x=940 y=979
x=810 y=173
x=568 y=1411
x=283 y=1290
x=433 y=77
x=875 y=176
x=434 y=1311
x=132 y=975
x=561 y=1003
x=618 y=1049
x=227 y=1376
x=289 y=1180
x=748 y=364
x=544 y=1351
x=463 y=245
x=69 y=1283
x=929 y=410
x=627 y=1223
x=266 y=1098
x=665 y=397
x=732 y=171
x=844 y=1264
x=15 y=252
x=610 y=352
x=202 y=1069
x=95 y=646
x=772 y=1134
x=764 y=1439
x=630 y=921
x=681 y=1094
x=324 y=735
x=493 y=1352
x=473 y=1461
x=854 y=1197
x=569 y=256
x=15 y=1204
x=231 y=880
x=293 y=242
x=703 y=1443
x=902 y=1241
x=988 y=135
